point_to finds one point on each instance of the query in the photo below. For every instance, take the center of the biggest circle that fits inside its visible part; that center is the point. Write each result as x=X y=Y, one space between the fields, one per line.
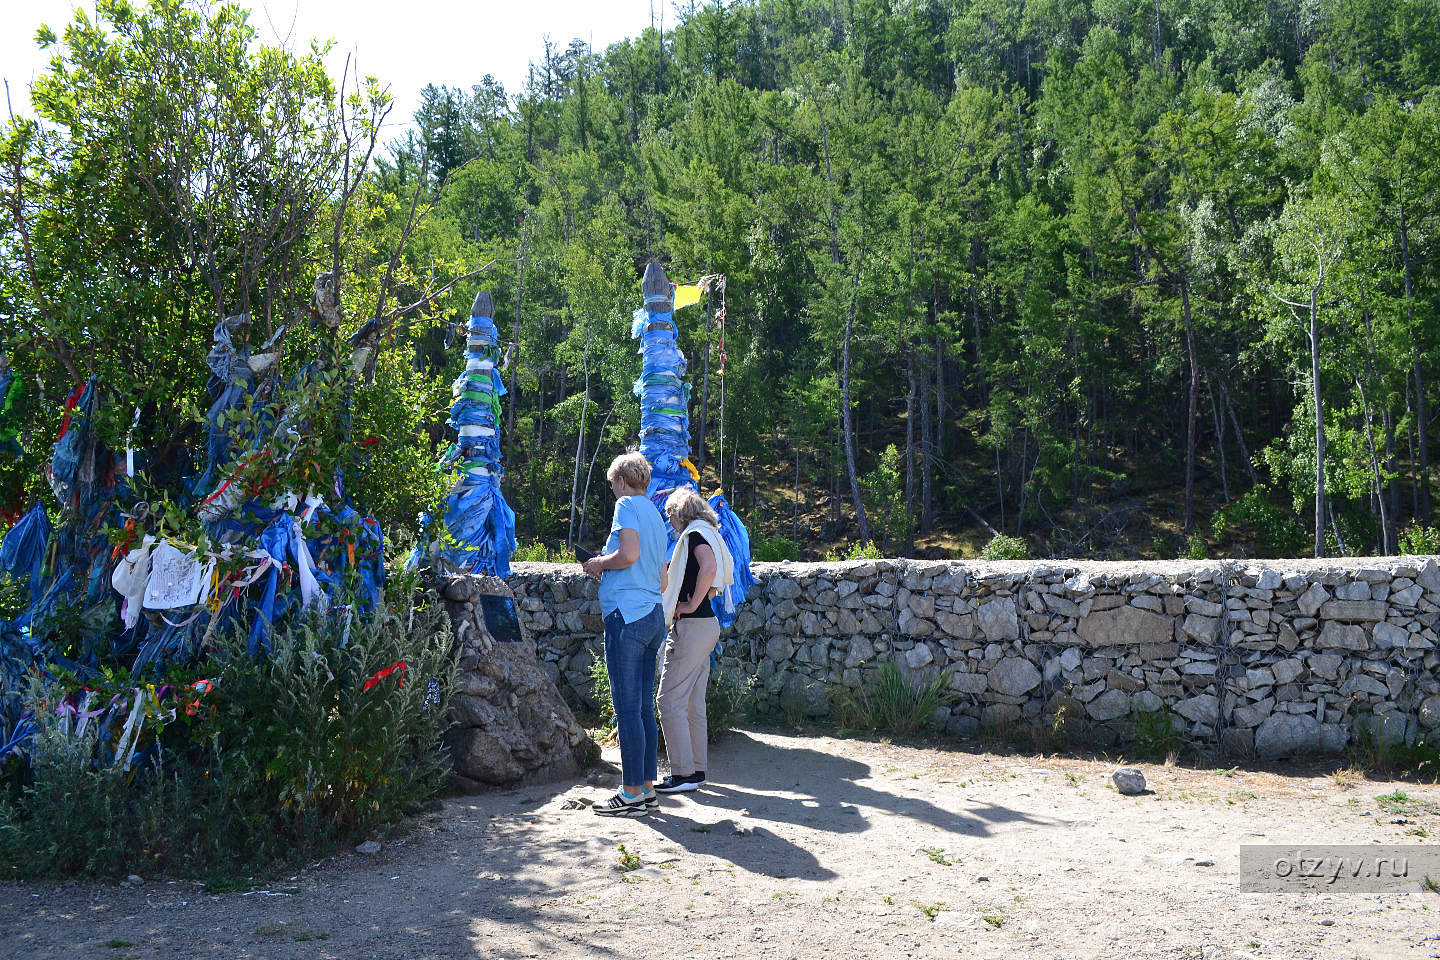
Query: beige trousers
x=684 y=674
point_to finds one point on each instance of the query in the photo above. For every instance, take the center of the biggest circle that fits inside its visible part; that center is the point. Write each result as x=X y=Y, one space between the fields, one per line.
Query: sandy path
x=804 y=847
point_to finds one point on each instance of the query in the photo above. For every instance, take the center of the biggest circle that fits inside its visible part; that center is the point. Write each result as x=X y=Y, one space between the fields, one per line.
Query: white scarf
x=724 y=565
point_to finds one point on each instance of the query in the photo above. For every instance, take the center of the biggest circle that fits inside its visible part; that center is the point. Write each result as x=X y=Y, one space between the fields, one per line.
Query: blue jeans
x=630 y=653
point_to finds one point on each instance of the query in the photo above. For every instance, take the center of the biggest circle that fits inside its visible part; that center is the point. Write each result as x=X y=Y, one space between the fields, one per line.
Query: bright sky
x=406 y=44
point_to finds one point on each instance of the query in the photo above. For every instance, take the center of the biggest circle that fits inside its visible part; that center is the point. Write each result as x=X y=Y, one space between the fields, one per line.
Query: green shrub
x=1420 y=758
x=1002 y=547
x=288 y=755
x=773 y=549
x=1196 y=548
x=600 y=690
x=1154 y=734
x=728 y=697
x=1271 y=529
x=888 y=701
x=883 y=492
x=1418 y=540
x=858 y=551
x=537 y=552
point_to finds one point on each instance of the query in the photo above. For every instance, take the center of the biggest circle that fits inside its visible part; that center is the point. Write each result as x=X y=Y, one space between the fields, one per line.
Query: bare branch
x=429 y=297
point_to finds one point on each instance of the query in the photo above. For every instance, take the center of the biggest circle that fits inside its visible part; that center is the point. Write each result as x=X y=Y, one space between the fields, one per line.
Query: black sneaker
x=674 y=784
x=620 y=806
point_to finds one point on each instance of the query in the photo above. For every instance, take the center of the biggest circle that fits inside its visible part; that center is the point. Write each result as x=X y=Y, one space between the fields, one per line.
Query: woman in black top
x=685 y=671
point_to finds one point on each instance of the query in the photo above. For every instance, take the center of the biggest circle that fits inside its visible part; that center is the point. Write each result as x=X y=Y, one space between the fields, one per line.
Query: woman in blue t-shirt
x=630 y=592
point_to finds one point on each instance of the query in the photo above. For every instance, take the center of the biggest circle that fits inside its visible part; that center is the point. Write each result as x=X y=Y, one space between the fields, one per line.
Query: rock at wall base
x=511 y=724
x=1287 y=735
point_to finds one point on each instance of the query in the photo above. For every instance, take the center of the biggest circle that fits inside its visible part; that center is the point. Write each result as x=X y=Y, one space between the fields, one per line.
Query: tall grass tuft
x=890 y=702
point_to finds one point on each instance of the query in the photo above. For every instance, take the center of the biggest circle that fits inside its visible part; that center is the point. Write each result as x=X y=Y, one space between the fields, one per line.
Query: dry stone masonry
x=1273 y=658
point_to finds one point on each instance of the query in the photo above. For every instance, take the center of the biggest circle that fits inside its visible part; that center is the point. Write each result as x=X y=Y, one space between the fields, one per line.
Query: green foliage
x=1419 y=758
x=773 y=549
x=537 y=552
x=1420 y=540
x=1255 y=520
x=728 y=697
x=883 y=490
x=288 y=755
x=1155 y=734
x=1002 y=547
x=1196 y=548
x=627 y=860
x=858 y=551
x=889 y=701
x=600 y=691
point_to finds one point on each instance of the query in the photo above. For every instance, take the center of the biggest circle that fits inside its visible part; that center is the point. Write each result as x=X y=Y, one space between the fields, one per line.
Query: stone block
x=1342 y=636
x=1125 y=625
x=998 y=619
x=918 y=656
x=779 y=648
x=1363 y=611
x=1202 y=607
x=1355 y=590
x=1311 y=600
x=1287 y=735
x=1110 y=705
x=1326 y=666
x=1200 y=709
x=1201 y=628
x=973 y=683
x=1014 y=676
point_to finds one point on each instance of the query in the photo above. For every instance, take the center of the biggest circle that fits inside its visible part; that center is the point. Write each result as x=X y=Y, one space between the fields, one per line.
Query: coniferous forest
x=1081 y=272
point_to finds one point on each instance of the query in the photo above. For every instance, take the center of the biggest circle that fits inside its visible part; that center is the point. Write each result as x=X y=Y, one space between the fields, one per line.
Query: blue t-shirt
x=635 y=590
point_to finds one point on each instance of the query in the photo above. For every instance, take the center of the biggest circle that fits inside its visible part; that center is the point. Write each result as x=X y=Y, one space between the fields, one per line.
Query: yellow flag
x=686 y=296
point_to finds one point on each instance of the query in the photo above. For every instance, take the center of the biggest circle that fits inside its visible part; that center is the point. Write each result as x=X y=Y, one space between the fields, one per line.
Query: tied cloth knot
x=379 y=675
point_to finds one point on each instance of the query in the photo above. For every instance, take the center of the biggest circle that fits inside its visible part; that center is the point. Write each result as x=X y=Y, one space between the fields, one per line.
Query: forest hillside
x=1080 y=272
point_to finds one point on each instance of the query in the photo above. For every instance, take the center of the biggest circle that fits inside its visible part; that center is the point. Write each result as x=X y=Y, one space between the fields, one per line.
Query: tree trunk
x=1314 y=334
x=1192 y=417
x=579 y=451
x=795 y=515
x=1385 y=546
x=939 y=397
x=1239 y=434
x=927 y=498
x=848 y=423
x=519 y=299
x=1422 y=408
x=910 y=431
x=1392 y=489
x=1219 y=438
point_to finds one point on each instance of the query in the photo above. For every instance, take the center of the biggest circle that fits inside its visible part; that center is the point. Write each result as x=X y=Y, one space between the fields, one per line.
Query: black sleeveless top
x=687 y=582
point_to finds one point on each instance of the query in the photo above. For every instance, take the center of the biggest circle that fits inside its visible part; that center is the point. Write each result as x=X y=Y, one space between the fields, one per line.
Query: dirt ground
x=806 y=846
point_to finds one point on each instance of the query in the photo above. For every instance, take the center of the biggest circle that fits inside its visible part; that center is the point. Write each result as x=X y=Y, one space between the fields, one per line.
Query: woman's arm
x=627 y=553
x=704 y=579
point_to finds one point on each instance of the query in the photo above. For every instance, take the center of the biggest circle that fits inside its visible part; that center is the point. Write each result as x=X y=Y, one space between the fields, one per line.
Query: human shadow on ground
x=751 y=770
x=830 y=798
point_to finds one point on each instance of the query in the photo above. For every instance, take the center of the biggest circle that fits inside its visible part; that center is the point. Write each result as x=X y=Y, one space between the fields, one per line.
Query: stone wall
x=1270 y=658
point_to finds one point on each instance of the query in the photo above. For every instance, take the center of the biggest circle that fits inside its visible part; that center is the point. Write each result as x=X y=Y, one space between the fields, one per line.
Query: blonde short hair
x=685 y=506
x=632 y=468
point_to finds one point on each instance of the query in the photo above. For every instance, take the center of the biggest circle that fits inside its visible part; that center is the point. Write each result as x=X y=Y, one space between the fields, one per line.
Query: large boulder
x=511 y=726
